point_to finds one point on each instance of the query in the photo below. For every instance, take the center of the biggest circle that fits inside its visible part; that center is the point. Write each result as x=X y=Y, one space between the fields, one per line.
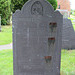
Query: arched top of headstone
x=35 y=7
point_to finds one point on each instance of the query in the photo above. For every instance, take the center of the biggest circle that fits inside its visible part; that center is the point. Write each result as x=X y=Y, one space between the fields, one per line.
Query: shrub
x=5 y=10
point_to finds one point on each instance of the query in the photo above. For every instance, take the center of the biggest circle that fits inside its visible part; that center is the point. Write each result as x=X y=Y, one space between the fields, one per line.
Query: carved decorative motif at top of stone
x=37 y=8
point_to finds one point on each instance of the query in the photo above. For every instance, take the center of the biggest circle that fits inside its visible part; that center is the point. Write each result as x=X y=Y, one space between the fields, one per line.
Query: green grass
x=6 y=62
x=67 y=62
x=6 y=35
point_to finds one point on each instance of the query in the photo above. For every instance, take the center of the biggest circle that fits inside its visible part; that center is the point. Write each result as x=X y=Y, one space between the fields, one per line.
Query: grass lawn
x=6 y=35
x=6 y=62
x=67 y=62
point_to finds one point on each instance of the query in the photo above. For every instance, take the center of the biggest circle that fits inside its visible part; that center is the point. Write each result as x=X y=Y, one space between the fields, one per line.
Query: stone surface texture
x=33 y=52
x=68 y=35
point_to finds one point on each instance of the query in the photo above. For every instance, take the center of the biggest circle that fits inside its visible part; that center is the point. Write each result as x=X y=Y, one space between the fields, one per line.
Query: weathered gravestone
x=37 y=39
x=68 y=34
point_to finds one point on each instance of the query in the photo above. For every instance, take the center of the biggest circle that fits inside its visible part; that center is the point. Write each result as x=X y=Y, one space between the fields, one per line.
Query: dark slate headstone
x=37 y=39
x=68 y=34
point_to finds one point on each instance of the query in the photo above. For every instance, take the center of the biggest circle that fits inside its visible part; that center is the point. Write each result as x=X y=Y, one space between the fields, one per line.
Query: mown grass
x=6 y=62
x=6 y=35
x=67 y=62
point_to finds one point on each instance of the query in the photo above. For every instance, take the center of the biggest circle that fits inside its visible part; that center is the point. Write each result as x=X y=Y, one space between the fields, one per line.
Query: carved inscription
x=37 y=8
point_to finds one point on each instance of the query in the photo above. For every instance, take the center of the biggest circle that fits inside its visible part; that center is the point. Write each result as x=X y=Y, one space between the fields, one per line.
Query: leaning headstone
x=67 y=34
x=37 y=39
x=0 y=22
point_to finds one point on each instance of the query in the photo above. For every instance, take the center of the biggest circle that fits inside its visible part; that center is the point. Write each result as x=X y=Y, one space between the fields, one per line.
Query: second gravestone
x=37 y=39
x=68 y=35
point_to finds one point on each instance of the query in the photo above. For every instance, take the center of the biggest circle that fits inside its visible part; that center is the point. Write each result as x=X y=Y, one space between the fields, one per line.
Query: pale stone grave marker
x=37 y=39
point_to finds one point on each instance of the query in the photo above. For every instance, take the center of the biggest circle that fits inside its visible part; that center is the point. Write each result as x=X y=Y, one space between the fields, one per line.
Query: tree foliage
x=54 y=3
x=17 y=4
x=5 y=10
x=7 y=5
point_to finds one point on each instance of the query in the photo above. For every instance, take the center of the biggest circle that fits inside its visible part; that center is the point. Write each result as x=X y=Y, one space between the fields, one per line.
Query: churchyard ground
x=67 y=62
x=6 y=56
